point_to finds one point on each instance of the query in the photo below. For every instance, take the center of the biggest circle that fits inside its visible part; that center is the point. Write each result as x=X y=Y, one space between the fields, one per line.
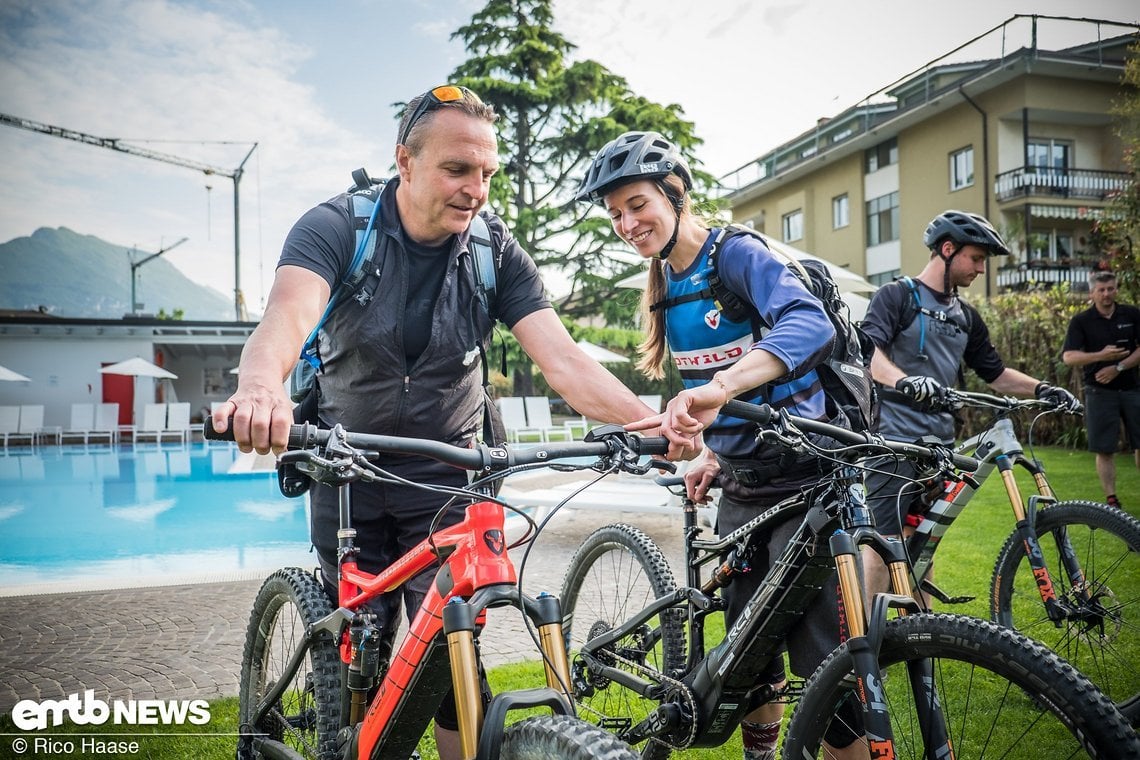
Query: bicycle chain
x=690 y=704
x=290 y=729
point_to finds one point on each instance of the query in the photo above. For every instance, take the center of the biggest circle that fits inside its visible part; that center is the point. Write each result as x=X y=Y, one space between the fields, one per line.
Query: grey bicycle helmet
x=964 y=229
x=634 y=155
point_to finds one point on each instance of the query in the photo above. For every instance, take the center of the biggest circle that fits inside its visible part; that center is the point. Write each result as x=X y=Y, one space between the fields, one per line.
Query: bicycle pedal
x=929 y=588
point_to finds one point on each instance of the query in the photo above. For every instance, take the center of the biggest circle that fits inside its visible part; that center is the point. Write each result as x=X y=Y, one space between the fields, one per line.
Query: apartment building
x=1022 y=135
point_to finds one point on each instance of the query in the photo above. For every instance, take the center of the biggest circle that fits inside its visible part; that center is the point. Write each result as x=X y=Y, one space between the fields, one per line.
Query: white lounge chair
x=538 y=416
x=177 y=422
x=9 y=422
x=513 y=410
x=106 y=423
x=153 y=422
x=31 y=423
x=82 y=421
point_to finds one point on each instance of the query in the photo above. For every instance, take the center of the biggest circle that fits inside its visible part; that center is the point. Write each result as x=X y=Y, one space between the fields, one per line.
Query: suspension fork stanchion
x=864 y=657
x=459 y=627
x=1067 y=555
x=553 y=644
x=1029 y=538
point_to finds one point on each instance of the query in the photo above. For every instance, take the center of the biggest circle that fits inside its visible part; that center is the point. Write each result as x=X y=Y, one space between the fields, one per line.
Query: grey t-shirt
x=935 y=347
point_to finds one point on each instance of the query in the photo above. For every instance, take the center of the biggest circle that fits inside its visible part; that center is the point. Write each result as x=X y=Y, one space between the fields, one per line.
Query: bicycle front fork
x=459 y=622
x=864 y=629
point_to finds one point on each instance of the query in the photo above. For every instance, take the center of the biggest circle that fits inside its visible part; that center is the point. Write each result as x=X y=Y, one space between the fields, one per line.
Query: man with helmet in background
x=923 y=332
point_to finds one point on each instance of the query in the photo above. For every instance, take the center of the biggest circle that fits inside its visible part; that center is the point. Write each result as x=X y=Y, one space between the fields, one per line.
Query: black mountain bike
x=919 y=685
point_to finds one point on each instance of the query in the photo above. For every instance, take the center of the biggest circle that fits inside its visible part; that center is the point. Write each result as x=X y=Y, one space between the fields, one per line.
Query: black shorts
x=816 y=634
x=1105 y=410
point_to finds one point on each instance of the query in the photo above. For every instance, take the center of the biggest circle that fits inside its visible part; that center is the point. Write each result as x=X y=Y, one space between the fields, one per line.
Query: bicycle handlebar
x=959 y=398
x=480 y=458
x=766 y=415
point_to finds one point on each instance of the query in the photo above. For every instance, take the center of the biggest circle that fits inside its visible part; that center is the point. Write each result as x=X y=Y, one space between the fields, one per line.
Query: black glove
x=922 y=390
x=1058 y=397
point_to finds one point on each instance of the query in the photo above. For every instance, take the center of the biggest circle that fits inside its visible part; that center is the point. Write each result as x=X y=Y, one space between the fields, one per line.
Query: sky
x=314 y=87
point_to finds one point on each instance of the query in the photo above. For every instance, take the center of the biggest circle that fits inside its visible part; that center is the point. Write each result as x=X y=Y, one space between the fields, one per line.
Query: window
x=793 y=226
x=840 y=212
x=1050 y=246
x=883 y=219
x=962 y=168
x=883 y=154
x=1049 y=154
x=882 y=278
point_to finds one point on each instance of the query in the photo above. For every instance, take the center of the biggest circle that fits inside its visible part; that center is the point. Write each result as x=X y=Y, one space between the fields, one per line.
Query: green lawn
x=964 y=564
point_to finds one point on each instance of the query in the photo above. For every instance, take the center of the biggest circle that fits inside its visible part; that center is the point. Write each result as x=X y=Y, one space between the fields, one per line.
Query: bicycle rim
x=1100 y=634
x=616 y=573
x=306 y=717
x=1002 y=695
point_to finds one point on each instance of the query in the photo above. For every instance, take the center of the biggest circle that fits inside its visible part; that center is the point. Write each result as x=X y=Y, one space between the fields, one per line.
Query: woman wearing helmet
x=643 y=183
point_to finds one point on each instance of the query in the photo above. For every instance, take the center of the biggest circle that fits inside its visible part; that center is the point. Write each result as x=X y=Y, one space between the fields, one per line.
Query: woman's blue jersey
x=703 y=341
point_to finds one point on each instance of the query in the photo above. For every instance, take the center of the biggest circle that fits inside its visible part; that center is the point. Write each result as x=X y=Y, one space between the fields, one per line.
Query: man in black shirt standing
x=1105 y=340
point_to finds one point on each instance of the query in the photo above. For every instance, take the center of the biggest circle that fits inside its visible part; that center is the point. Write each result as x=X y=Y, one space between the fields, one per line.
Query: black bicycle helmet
x=964 y=229
x=634 y=155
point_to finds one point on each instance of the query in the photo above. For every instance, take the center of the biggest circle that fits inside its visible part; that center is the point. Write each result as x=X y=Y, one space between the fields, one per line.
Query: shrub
x=1028 y=330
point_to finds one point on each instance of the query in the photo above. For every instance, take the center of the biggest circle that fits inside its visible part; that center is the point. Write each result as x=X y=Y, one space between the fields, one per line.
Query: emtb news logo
x=30 y=715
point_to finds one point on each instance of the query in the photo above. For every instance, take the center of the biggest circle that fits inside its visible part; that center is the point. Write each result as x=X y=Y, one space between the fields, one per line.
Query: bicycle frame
x=475 y=573
x=997 y=447
x=719 y=686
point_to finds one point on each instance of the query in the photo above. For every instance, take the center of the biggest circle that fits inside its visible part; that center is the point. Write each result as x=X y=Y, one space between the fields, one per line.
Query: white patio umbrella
x=138 y=367
x=600 y=354
x=13 y=377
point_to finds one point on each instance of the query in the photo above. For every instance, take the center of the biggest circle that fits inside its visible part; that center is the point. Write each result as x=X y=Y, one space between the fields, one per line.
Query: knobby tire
x=615 y=574
x=563 y=737
x=1002 y=694
x=1100 y=636
x=307 y=716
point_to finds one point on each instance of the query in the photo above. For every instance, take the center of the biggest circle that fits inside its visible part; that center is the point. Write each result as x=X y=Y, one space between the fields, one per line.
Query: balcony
x=1043 y=274
x=1077 y=184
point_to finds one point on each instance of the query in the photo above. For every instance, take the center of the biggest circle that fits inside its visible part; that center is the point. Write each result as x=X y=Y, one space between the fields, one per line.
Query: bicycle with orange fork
x=320 y=680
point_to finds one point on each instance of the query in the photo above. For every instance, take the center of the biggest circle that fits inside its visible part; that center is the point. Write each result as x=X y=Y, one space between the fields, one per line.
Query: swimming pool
x=100 y=517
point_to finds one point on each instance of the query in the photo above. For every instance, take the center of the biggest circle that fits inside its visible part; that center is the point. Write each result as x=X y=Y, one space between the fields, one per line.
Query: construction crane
x=135 y=305
x=114 y=143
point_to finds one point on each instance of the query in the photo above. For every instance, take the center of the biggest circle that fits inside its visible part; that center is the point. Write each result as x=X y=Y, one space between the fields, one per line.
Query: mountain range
x=66 y=274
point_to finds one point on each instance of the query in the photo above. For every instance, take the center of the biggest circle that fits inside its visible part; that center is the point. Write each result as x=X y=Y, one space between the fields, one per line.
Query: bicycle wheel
x=563 y=737
x=615 y=574
x=307 y=716
x=1002 y=695
x=1100 y=634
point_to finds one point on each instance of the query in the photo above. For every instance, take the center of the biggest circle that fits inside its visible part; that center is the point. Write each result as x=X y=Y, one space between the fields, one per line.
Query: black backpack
x=845 y=373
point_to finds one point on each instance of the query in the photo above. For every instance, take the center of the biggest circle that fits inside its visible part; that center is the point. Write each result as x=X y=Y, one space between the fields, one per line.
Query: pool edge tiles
x=94 y=585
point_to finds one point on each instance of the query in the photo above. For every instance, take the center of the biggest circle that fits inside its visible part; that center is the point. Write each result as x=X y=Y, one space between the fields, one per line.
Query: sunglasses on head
x=433 y=99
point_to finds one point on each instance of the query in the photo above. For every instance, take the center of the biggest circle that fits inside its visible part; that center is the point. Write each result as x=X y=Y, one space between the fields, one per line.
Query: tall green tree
x=555 y=113
x=1121 y=226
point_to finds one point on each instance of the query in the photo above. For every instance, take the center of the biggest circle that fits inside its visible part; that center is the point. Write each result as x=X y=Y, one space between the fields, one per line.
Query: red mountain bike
x=319 y=682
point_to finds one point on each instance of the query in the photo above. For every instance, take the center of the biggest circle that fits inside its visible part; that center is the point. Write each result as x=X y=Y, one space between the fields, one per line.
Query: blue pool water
x=147 y=514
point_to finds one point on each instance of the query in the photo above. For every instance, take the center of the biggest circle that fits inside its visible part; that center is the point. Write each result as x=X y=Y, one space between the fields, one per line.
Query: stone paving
x=184 y=642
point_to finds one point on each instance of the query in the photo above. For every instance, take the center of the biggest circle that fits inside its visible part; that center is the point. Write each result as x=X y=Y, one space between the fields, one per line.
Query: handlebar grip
x=210 y=434
x=965 y=463
x=652 y=446
x=761 y=413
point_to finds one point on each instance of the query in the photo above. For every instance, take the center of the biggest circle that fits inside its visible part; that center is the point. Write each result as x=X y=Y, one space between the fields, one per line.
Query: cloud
x=144 y=69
